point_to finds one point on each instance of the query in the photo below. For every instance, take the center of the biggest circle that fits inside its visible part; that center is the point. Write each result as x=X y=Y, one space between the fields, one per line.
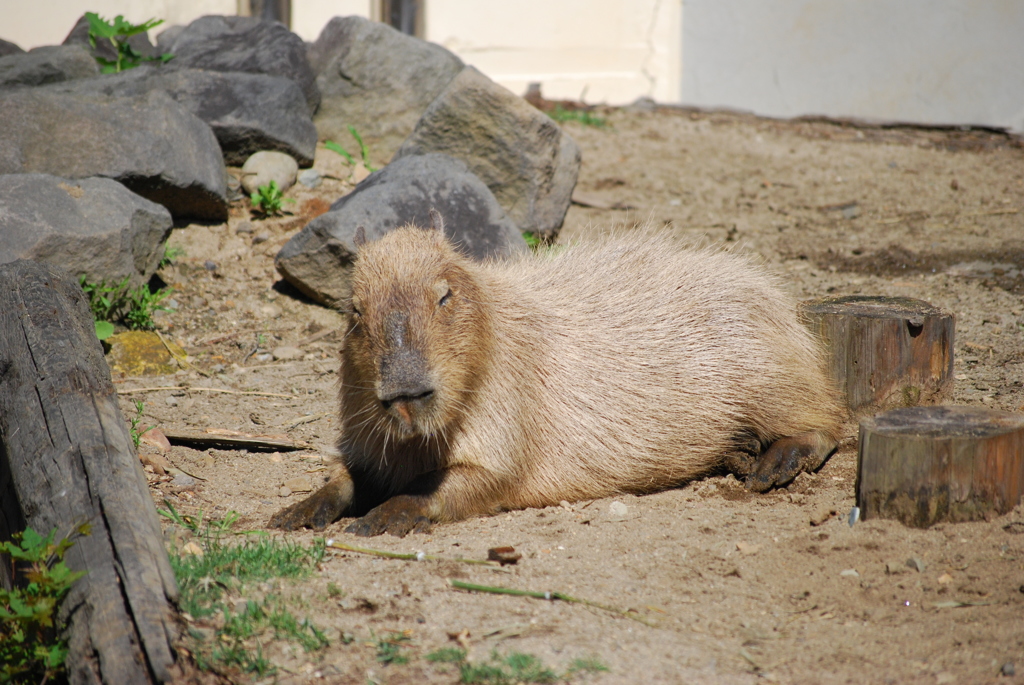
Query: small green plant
x=364 y=152
x=389 y=648
x=580 y=116
x=511 y=669
x=171 y=254
x=119 y=302
x=268 y=199
x=118 y=32
x=29 y=649
x=533 y=240
x=133 y=424
x=204 y=580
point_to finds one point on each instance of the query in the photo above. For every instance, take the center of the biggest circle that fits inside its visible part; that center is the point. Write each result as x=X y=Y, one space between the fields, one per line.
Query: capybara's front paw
x=400 y=515
x=319 y=510
x=787 y=458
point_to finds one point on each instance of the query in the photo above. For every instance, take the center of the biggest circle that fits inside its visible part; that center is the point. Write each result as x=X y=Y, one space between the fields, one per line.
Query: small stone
x=359 y=173
x=298 y=484
x=894 y=568
x=617 y=511
x=747 y=548
x=158 y=463
x=310 y=178
x=171 y=401
x=192 y=548
x=155 y=438
x=850 y=573
x=916 y=564
x=266 y=166
x=1008 y=669
x=271 y=311
x=210 y=265
x=287 y=353
x=945 y=579
x=260 y=238
x=954 y=184
x=183 y=480
x=244 y=227
x=285 y=491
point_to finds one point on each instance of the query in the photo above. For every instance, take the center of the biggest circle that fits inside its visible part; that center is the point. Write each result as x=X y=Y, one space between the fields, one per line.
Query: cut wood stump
x=885 y=352
x=921 y=465
x=66 y=458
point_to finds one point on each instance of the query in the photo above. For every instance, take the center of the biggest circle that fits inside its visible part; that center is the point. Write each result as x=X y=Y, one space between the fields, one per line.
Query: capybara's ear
x=360 y=237
x=436 y=222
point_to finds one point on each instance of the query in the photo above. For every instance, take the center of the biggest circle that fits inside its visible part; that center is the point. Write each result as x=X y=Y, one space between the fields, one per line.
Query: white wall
x=925 y=61
x=612 y=51
x=31 y=23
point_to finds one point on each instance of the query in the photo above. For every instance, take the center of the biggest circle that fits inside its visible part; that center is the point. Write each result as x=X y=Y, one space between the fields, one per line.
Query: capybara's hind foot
x=319 y=510
x=787 y=457
x=400 y=515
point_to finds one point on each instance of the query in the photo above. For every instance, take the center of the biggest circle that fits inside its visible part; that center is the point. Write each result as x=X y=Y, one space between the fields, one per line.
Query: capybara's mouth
x=406 y=408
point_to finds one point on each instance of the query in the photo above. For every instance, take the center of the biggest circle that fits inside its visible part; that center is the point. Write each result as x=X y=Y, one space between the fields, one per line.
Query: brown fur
x=629 y=364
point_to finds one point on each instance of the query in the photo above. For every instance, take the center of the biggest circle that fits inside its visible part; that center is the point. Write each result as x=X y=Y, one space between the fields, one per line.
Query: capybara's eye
x=444 y=300
x=356 y=312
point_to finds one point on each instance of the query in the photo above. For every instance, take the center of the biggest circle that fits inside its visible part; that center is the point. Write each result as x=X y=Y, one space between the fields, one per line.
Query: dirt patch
x=737 y=588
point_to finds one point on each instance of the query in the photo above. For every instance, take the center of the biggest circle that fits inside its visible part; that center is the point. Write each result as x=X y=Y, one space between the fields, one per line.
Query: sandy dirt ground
x=731 y=587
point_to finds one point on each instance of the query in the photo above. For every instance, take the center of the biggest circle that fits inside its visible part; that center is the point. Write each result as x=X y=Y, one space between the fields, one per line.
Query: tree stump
x=65 y=458
x=921 y=465
x=885 y=352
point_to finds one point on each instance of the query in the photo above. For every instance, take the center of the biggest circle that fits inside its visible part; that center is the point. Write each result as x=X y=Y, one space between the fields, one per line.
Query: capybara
x=625 y=365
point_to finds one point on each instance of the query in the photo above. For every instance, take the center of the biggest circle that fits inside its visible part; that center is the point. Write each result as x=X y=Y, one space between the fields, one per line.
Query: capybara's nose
x=423 y=392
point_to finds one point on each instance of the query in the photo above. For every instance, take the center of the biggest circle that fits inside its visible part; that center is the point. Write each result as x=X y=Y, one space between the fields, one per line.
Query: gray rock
x=9 y=48
x=165 y=39
x=245 y=44
x=91 y=226
x=49 y=64
x=150 y=143
x=318 y=259
x=310 y=178
x=377 y=79
x=266 y=166
x=523 y=156
x=247 y=112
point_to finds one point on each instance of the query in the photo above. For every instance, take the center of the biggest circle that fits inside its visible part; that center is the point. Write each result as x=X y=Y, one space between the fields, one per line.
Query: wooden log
x=67 y=457
x=921 y=465
x=885 y=352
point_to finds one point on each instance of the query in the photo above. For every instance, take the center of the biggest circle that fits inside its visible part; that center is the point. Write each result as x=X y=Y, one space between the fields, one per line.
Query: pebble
x=310 y=178
x=244 y=227
x=155 y=438
x=287 y=353
x=850 y=572
x=916 y=564
x=171 y=401
x=617 y=511
x=285 y=491
x=271 y=311
x=822 y=514
x=359 y=173
x=260 y=238
x=210 y=265
x=1008 y=669
x=183 y=480
x=266 y=166
x=298 y=484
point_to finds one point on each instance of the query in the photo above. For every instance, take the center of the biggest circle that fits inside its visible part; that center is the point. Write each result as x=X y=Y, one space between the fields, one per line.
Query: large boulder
x=377 y=79
x=150 y=143
x=9 y=48
x=522 y=155
x=91 y=226
x=245 y=44
x=318 y=259
x=49 y=64
x=247 y=112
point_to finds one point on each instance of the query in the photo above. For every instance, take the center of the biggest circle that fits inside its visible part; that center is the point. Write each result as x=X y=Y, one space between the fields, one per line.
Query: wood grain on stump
x=65 y=458
x=921 y=465
x=885 y=352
